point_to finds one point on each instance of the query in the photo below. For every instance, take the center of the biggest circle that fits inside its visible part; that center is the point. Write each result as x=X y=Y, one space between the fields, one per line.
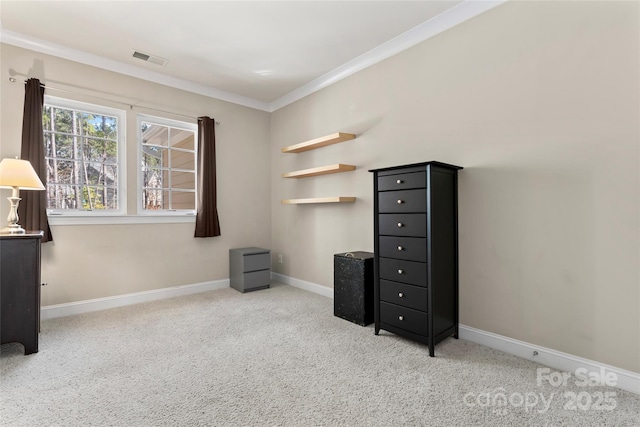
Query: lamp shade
x=19 y=173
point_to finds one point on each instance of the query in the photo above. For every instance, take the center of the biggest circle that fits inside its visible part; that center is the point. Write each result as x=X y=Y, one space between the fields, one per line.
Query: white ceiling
x=263 y=54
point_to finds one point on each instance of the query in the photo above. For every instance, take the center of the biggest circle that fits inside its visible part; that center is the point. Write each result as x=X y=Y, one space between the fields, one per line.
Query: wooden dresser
x=20 y=289
x=416 y=251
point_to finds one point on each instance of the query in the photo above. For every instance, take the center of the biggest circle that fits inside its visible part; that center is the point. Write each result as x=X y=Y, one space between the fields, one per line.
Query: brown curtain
x=32 y=210
x=207 y=224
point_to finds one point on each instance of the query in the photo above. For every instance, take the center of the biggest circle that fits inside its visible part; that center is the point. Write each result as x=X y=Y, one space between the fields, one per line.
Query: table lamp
x=17 y=175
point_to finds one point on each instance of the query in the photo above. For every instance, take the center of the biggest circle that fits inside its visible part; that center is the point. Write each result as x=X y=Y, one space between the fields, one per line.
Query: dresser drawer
x=257 y=279
x=405 y=295
x=409 y=248
x=414 y=225
x=402 y=181
x=402 y=201
x=404 y=318
x=411 y=272
x=255 y=262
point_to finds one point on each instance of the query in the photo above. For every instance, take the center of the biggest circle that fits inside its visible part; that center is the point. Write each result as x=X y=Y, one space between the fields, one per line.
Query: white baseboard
x=60 y=310
x=625 y=380
x=302 y=284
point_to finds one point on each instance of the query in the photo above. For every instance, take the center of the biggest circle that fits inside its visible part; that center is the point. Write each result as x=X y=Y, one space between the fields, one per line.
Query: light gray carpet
x=270 y=358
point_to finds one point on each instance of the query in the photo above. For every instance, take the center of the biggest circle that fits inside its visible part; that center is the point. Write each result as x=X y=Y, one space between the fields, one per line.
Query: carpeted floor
x=276 y=357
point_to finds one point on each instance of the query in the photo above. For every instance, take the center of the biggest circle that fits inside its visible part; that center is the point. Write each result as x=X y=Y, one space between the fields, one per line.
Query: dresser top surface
x=250 y=250
x=27 y=235
x=417 y=166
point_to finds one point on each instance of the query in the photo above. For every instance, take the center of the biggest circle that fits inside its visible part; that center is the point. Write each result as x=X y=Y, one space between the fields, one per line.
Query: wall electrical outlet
x=279 y=258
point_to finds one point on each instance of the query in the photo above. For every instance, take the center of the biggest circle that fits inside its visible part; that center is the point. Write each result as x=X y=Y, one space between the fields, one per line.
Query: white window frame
x=176 y=125
x=122 y=165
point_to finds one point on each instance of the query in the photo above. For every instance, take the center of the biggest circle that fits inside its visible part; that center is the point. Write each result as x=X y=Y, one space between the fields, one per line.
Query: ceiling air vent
x=150 y=58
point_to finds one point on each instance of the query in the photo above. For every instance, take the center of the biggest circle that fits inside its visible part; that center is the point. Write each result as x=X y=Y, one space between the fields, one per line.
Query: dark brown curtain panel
x=207 y=223
x=32 y=209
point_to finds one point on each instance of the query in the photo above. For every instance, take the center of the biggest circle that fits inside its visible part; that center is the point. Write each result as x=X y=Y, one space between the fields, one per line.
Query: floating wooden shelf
x=322 y=170
x=337 y=199
x=323 y=141
x=334 y=138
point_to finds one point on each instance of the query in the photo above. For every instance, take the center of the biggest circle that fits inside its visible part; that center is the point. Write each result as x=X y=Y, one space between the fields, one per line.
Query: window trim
x=121 y=115
x=59 y=220
x=176 y=124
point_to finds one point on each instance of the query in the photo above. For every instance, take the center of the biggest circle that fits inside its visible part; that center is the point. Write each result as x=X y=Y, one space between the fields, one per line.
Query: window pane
x=46 y=118
x=98 y=197
x=152 y=178
x=181 y=138
x=66 y=171
x=183 y=180
x=62 y=120
x=111 y=198
x=183 y=200
x=151 y=160
x=154 y=156
x=153 y=199
x=183 y=160
x=155 y=134
x=81 y=152
x=100 y=126
x=92 y=197
x=100 y=150
x=64 y=197
x=48 y=145
x=100 y=173
x=60 y=146
x=168 y=166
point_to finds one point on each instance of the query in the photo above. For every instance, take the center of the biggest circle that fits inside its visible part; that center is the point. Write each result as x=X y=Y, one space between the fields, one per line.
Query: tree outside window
x=81 y=152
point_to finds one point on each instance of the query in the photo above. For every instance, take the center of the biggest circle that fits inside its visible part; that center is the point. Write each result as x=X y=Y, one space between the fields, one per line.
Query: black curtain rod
x=13 y=80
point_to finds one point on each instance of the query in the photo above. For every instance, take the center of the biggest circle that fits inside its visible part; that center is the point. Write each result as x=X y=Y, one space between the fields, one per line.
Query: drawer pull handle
x=400 y=271
x=400 y=295
x=400 y=201
x=400 y=317
x=399 y=181
x=400 y=248
x=400 y=225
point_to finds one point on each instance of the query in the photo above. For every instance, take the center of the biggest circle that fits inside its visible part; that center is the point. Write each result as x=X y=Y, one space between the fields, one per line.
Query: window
x=83 y=152
x=86 y=167
x=167 y=166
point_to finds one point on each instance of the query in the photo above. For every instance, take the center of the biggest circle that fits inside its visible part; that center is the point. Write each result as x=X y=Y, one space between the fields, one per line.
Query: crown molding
x=438 y=24
x=53 y=49
x=434 y=26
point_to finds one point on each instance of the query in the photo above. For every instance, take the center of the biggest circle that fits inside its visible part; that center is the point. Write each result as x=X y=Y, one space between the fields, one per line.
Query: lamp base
x=12 y=220
x=12 y=229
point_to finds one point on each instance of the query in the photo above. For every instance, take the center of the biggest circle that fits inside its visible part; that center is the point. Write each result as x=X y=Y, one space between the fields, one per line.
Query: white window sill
x=120 y=219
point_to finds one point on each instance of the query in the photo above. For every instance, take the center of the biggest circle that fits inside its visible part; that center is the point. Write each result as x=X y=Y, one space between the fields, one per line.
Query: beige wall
x=539 y=102
x=93 y=261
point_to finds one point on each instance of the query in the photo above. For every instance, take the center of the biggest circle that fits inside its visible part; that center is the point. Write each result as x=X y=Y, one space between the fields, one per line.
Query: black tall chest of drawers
x=416 y=251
